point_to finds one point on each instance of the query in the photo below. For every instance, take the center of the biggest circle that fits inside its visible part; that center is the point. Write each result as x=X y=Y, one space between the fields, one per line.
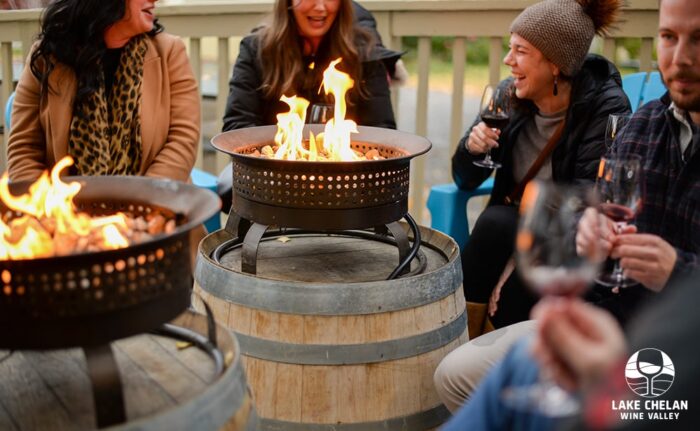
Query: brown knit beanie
x=563 y=29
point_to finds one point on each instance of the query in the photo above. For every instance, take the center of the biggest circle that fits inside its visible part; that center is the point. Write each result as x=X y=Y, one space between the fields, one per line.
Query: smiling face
x=533 y=73
x=678 y=51
x=138 y=18
x=314 y=18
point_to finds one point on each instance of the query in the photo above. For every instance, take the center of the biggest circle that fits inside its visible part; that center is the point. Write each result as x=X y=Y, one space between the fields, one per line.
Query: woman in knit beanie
x=560 y=93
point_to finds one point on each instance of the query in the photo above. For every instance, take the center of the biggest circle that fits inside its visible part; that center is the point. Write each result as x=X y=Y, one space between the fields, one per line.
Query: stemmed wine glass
x=546 y=258
x=620 y=188
x=320 y=113
x=615 y=127
x=495 y=112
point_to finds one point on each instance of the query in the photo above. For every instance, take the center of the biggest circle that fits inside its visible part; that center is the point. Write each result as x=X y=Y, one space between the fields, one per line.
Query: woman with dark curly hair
x=106 y=86
x=288 y=56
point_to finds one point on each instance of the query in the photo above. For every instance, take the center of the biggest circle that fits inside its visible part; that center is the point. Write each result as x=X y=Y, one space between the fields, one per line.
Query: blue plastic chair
x=643 y=87
x=633 y=85
x=654 y=88
x=448 y=209
x=200 y=178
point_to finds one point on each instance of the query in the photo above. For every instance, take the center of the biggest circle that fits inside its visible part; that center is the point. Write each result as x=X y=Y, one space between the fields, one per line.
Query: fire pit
x=320 y=196
x=89 y=299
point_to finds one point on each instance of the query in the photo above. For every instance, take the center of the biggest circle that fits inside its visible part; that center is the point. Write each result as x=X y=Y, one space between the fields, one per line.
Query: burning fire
x=50 y=225
x=333 y=144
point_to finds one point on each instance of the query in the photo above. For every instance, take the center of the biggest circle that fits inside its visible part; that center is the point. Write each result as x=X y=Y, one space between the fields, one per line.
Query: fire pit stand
x=248 y=236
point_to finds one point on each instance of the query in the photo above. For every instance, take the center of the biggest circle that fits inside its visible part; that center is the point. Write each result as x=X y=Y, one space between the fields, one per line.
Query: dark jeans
x=490 y=246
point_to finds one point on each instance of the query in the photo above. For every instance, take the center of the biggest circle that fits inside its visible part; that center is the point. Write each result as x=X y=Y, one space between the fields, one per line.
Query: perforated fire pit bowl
x=92 y=298
x=321 y=195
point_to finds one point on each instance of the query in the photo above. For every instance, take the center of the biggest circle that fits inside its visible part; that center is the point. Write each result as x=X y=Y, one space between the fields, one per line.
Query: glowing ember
x=333 y=144
x=49 y=224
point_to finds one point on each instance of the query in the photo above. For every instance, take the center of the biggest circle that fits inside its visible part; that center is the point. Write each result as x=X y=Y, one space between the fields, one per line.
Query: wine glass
x=620 y=188
x=321 y=113
x=547 y=260
x=615 y=126
x=495 y=112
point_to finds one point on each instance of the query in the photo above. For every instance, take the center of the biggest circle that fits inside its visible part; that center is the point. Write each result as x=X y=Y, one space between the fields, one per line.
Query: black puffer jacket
x=247 y=106
x=596 y=93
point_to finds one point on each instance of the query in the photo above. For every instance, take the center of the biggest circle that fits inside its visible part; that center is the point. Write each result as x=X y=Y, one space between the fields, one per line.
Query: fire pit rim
x=255 y=135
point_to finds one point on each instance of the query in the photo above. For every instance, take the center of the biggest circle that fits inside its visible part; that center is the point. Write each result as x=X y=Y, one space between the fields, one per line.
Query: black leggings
x=490 y=246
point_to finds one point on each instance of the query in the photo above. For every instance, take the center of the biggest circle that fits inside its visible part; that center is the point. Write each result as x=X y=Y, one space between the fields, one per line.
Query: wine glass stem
x=618 y=275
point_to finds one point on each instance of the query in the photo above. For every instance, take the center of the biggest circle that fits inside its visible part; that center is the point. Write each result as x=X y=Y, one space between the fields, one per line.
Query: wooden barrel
x=165 y=386
x=327 y=343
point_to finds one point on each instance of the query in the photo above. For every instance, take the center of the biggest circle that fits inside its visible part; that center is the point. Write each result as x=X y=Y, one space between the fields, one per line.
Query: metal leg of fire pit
x=106 y=385
x=251 y=243
x=402 y=243
x=237 y=225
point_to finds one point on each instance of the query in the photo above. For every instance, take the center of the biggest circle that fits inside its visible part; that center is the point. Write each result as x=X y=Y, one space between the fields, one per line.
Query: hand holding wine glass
x=620 y=188
x=546 y=258
x=495 y=114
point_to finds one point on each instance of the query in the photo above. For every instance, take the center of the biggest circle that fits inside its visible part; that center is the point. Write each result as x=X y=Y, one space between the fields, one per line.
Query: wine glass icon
x=650 y=373
x=650 y=363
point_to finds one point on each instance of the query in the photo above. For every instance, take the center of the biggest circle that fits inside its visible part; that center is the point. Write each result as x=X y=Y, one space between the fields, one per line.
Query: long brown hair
x=282 y=57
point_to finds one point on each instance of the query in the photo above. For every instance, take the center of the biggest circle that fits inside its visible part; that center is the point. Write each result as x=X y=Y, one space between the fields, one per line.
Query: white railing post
x=195 y=54
x=459 y=54
x=6 y=56
x=418 y=171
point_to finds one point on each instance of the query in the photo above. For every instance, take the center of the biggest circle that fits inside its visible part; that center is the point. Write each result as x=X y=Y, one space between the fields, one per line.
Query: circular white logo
x=650 y=373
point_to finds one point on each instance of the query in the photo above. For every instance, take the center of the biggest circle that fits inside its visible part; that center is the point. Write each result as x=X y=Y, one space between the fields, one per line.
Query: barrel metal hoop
x=212 y=410
x=325 y=299
x=351 y=354
x=418 y=421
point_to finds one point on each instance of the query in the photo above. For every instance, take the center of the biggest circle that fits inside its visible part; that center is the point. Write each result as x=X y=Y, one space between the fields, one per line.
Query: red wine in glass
x=617 y=213
x=495 y=106
x=619 y=185
x=496 y=121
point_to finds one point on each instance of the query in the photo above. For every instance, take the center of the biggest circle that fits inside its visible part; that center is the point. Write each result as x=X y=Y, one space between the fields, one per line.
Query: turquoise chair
x=448 y=209
x=200 y=178
x=633 y=85
x=643 y=87
x=448 y=205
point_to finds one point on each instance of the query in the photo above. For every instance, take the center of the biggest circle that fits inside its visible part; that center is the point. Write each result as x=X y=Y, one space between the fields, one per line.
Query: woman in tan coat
x=104 y=85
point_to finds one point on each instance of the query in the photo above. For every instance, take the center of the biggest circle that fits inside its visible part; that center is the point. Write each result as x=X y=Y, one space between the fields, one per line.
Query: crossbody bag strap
x=514 y=196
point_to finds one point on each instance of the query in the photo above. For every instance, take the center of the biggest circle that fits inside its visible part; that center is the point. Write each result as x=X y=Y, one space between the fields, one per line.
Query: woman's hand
x=482 y=138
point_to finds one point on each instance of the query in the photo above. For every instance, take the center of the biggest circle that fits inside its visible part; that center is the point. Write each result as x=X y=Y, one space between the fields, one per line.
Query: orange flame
x=50 y=222
x=333 y=144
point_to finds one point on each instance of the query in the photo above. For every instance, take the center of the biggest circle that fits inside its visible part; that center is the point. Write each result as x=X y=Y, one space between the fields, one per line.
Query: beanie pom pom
x=603 y=13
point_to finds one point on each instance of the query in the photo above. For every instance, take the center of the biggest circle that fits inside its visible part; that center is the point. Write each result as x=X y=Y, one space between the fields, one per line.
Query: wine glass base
x=487 y=164
x=546 y=399
x=613 y=280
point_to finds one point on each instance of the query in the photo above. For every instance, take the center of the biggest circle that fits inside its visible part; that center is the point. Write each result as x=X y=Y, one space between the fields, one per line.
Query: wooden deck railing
x=461 y=19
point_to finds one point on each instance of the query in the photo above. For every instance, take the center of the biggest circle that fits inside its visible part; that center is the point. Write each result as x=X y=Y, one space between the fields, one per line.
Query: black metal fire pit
x=321 y=195
x=92 y=298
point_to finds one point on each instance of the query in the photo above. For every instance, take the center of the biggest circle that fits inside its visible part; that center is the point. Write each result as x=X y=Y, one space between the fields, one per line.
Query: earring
x=556 y=88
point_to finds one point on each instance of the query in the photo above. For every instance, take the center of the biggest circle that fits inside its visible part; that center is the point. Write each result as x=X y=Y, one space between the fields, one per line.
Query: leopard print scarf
x=104 y=142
